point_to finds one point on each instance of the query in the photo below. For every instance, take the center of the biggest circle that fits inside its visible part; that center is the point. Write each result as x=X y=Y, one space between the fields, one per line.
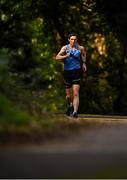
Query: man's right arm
x=62 y=54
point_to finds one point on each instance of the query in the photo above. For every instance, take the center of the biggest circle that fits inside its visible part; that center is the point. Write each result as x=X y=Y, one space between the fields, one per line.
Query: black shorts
x=72 y=77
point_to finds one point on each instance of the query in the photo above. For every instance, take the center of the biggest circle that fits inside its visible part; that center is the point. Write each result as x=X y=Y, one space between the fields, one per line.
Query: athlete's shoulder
x=81 y=47
x=63 y=48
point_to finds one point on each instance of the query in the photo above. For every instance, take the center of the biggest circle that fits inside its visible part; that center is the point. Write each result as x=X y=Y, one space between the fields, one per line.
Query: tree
x=115 y=13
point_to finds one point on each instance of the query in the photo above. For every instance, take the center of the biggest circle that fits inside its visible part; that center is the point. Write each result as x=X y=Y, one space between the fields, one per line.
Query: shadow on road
x=98 y=151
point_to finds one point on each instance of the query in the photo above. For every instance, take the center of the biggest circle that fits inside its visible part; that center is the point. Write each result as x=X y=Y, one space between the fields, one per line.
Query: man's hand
x=84 y=68
x=68 y=55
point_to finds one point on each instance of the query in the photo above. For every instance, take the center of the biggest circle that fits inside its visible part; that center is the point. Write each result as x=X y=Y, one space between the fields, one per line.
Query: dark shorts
x=72 y=77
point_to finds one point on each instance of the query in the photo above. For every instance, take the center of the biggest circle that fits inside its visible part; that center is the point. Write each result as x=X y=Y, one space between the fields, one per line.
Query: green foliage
x=10 y=114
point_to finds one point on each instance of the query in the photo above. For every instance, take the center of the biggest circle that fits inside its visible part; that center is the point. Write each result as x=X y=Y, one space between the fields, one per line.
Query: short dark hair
x=72 y=34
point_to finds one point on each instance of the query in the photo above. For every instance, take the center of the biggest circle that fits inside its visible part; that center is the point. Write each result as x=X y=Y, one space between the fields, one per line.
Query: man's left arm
x=83 y=57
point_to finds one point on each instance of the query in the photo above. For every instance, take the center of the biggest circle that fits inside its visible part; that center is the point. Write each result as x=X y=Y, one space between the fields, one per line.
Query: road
x=96 y=151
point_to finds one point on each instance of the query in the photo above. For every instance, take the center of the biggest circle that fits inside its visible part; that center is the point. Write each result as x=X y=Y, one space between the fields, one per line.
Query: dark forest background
x=33 y=31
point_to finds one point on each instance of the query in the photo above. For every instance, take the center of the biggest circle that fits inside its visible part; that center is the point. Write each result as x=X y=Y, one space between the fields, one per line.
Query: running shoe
x=75 y=114
x=69 y=111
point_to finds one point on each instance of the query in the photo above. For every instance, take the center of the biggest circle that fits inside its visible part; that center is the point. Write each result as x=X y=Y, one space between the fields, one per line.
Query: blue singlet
x=73 y=62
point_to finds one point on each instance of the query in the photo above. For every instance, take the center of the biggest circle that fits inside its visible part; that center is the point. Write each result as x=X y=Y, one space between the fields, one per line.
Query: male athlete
x=72 y=54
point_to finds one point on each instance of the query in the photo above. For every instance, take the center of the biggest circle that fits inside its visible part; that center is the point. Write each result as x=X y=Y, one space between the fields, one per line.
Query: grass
x=16 y=124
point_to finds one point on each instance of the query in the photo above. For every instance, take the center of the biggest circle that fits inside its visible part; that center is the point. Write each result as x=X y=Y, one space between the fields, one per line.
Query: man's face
x=73 y=40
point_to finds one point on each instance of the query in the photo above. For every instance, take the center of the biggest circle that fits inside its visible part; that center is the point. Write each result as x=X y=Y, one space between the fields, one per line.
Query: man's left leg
x=76 y=88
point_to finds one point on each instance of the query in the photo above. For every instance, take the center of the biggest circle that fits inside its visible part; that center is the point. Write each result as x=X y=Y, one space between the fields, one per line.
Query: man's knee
x=68 y=96
x=76 y=94
x=68 y=93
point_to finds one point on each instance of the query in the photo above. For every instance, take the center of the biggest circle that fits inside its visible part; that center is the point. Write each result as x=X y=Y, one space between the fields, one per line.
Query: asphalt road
x=98 y=151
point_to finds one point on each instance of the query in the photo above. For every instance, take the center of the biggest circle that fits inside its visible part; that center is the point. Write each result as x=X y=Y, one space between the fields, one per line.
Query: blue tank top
x=73 y=62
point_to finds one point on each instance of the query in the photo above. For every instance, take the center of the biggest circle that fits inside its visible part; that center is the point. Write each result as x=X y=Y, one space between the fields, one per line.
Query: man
x=72 y=54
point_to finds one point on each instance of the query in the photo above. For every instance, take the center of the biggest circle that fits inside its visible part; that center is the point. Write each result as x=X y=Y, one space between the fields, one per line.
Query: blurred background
x=32 y=32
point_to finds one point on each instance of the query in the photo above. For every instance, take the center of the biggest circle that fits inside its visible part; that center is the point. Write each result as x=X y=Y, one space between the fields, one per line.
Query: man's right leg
x=68 y=95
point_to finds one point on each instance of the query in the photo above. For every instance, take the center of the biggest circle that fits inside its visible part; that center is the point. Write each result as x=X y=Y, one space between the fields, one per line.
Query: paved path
x=96 y=151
